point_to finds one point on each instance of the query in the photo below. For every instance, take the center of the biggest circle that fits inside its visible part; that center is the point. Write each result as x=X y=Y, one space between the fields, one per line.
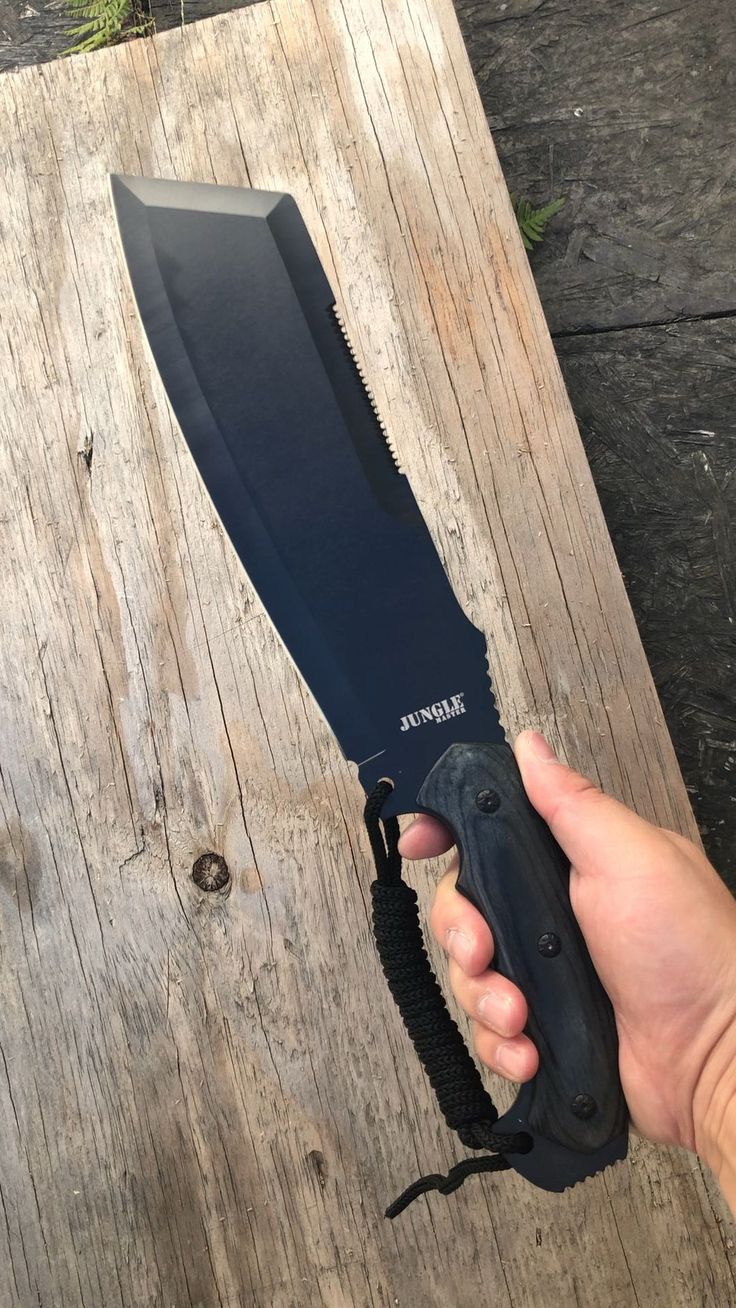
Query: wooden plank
x=656 y=413
x=626 y=110
x=528 y=111
x=207 y=1100
x=33 y=34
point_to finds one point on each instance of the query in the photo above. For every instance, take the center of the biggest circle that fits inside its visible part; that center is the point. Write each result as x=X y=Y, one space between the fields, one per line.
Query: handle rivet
x=549 y=945
x=584 y=1106
x=487 y=801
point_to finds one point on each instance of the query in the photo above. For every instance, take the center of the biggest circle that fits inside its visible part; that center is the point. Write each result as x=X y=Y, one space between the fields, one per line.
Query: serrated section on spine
x=583 y=1180
x=492 y=690
x=350 y=351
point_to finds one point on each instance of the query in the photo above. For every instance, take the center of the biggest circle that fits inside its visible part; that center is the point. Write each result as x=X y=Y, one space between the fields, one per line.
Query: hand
x=661 y=929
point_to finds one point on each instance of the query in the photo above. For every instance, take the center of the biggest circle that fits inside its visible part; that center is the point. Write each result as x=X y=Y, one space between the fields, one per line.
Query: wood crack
x=189 y=1080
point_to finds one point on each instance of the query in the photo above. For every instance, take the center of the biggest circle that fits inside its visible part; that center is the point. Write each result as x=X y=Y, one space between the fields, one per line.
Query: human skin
x=661 y=929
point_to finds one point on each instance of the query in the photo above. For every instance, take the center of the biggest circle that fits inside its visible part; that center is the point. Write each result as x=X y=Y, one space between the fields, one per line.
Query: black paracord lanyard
x=465 y=1104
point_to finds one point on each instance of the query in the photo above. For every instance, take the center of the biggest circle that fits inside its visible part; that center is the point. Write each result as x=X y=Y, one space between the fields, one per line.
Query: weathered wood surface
x=528 y=61
x=657 y=418
x=31 y=33
x=624 y=109
x=205 y=1100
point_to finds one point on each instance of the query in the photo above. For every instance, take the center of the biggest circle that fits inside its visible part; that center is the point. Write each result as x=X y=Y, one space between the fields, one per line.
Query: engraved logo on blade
x=439 y=712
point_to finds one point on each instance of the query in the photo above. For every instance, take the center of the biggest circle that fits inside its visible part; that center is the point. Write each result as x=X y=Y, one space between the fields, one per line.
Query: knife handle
x=517 y=876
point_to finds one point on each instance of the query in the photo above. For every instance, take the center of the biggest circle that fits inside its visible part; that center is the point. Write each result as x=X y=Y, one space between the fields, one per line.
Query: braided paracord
x=463 y=1100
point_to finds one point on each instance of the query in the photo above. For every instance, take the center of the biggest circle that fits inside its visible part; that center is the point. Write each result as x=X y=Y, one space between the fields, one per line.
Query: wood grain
x=619 y=253
x=207 y=1099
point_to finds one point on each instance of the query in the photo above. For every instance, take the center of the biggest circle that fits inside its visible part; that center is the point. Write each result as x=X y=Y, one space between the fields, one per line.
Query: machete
x=252 y=351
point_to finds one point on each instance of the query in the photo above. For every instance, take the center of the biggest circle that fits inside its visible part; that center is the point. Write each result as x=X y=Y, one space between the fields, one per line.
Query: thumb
x=595 y=831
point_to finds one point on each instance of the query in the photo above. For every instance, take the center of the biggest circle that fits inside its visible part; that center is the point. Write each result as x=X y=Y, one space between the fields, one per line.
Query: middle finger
x=490 y=999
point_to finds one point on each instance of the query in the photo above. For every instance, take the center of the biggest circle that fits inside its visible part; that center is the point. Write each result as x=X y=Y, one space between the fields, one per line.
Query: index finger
x=425 y=837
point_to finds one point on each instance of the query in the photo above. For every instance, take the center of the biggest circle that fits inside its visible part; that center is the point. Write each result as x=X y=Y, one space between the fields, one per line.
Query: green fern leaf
x=533 y=222
x=103 y=22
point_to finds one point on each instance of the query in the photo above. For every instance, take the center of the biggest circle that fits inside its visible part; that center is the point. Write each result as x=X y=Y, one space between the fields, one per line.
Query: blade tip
x=121 y=184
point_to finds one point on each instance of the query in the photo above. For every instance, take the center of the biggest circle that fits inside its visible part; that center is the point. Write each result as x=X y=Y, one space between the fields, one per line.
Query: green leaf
x=104 y=22
x=548 y=211
x=533 y=222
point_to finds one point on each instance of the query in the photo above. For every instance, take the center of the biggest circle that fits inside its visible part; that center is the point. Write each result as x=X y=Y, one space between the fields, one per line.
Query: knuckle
x=439 y=918
x=579 y=788
x=484 y=1043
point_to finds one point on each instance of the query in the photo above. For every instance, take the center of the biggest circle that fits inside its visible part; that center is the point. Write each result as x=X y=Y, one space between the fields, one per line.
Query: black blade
x=242 y=324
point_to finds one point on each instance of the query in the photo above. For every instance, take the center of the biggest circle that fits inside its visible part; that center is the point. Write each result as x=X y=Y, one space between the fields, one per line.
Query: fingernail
x=541 y=748
x=511 y=1061
x=458 y=945
x=495 y=1011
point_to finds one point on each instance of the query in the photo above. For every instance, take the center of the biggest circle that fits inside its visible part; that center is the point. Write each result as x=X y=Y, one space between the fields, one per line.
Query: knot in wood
x=210 y=872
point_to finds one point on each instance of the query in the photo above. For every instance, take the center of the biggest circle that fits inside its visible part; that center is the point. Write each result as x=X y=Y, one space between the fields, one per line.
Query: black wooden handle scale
x=514 y=872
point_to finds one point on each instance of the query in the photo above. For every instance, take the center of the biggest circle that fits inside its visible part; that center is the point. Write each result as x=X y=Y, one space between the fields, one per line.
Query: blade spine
x=177 y=190
x=368 y=392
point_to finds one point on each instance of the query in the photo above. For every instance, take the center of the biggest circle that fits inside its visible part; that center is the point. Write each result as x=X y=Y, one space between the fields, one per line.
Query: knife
x=260 y=373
